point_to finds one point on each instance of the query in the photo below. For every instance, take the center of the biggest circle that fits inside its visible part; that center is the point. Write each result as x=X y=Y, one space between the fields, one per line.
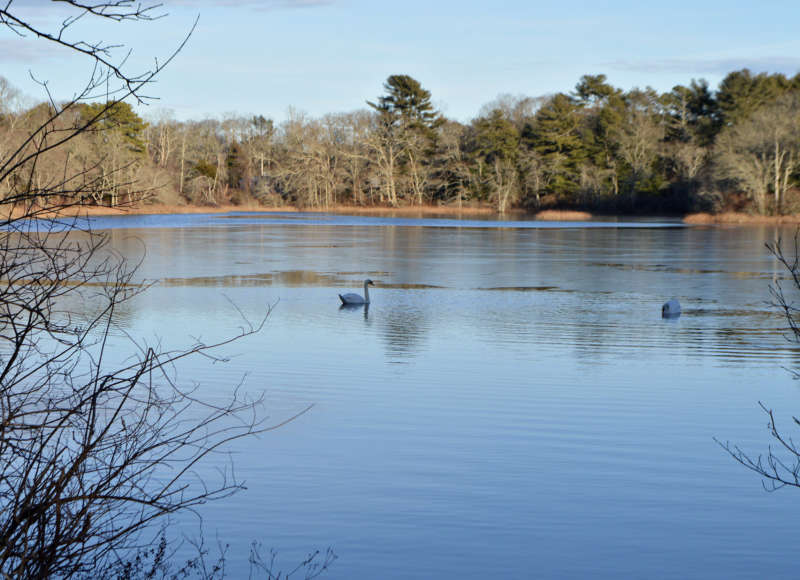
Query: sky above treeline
x=249 y=57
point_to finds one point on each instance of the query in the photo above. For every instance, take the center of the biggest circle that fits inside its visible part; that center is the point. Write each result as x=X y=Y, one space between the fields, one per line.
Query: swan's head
x=369 y=282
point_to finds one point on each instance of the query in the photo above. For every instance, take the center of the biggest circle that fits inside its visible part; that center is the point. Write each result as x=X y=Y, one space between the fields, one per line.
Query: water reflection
x=291 y=278
x=267 y=219
x=403 y=330
x=681 y=270
x=526 y=289
x=547 y=350
x=356 y=307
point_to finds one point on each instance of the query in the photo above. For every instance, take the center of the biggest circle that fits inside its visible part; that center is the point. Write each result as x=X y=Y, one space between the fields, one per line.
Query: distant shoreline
x=405 y=211
x=725 y=218
x=740 y=219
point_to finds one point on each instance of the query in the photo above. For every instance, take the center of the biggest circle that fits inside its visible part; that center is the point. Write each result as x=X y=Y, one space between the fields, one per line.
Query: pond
x=511 y=404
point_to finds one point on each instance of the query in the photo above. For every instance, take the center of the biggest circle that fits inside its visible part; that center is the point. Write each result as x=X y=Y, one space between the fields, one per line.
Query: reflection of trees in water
x=290 y=278
x=611 y=270
x=735 y=336
x=403 y=331
x=597 y=327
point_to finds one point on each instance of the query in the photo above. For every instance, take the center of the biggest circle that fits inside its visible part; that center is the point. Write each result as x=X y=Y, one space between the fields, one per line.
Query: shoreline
x=165 y=209
x=741 y=219
x=700 y=218
x=405 y=211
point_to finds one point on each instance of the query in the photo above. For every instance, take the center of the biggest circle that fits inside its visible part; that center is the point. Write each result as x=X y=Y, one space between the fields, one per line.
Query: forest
x=597 y=148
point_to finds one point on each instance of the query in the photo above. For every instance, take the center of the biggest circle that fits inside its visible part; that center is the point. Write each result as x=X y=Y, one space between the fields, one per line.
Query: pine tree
x=555 y=135
x=407 y=105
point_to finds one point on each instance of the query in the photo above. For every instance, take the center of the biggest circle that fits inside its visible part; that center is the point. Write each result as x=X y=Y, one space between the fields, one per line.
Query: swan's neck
x=366 y=293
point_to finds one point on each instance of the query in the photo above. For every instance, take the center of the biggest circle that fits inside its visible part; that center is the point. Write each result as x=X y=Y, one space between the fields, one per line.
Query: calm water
x=511 y=404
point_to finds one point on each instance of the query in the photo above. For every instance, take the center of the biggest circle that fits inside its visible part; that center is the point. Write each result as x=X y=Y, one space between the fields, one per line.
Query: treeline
x=598 y=148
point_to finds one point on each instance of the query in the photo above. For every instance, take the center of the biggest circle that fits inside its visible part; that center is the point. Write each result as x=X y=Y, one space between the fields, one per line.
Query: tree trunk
x=183 y=159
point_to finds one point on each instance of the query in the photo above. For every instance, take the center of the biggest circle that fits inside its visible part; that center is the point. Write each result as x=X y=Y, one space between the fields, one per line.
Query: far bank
x=701 y=218
x=404 y=211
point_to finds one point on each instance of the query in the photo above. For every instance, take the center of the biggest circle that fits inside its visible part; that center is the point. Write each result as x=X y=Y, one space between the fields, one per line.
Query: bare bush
x=92 y=452
x=780 y=465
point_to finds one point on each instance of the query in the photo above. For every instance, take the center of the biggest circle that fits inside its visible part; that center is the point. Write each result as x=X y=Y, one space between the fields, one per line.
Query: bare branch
x=780 y=465
x=91 y=453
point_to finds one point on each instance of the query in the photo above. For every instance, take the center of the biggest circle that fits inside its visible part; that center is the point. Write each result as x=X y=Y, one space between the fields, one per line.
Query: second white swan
x=671 y=308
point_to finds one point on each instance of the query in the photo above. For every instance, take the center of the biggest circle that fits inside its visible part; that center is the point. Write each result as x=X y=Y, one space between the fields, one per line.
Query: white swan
x=671 y=308
x=351 y=298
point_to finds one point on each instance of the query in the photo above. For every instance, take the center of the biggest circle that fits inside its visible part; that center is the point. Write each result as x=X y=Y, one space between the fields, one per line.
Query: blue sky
x=322 y=56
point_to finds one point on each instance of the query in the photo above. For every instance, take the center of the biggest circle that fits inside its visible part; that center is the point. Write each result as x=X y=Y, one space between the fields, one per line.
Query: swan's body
x=671 y=308
x=352 y=298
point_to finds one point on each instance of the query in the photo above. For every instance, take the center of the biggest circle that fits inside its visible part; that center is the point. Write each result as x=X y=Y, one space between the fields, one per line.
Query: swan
x=351 y=298
x=671 y=308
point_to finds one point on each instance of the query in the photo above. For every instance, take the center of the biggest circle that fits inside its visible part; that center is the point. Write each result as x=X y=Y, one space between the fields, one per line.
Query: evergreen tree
x=406 y=138
x=555 y=134
x=495 y=137
x=496 y=148
x=603 y=108
x=692 y=113
x=119 y=118
x=407 y=104
x=594 y=90
x=238 y=167
x=741 y=93
x=639 y=143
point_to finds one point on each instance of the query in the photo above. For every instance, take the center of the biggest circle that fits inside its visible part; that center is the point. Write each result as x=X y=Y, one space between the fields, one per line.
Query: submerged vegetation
x=598 y=148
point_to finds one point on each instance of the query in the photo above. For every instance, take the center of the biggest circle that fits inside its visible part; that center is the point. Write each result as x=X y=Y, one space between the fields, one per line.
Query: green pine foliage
x=117 y=117
x=599 y=148
x=406 y=104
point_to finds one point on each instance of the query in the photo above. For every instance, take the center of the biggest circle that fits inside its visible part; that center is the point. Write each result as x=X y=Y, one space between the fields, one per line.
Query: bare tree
x=451 y=176
x=419 y=172
x=763 y=151
x=162 y=139
x=355 y=164
x=504 y=183
x=306 y=167
x=688 y=159
x=92 y=454
x=640 y=137
x=203 y=171
x=519 y=109
x=780 y=465
x=10 y=100
x=386 y=150
x=535 y=173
